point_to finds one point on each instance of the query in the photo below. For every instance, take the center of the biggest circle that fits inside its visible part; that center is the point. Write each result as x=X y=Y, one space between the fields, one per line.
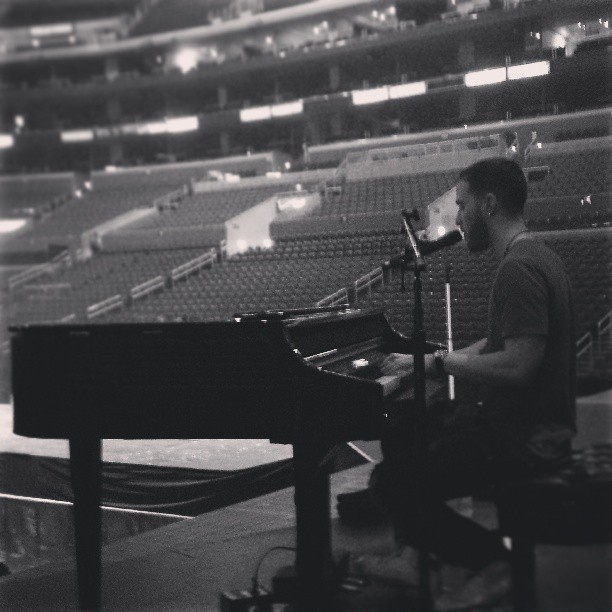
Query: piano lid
x=173 y=380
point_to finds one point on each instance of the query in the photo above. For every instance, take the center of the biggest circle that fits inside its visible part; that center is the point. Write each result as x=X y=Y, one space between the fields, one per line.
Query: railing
x=604 y=325
x=150 y=286
x=68 y=318
x=368 y=281
x=339 y=297
x=536 y=173
x=36 y=271
x=584 y=346
x=222 y=254
x=108 y=305
x=207 y=259
x=457 y=146
x=46 y=290
x=22 y=277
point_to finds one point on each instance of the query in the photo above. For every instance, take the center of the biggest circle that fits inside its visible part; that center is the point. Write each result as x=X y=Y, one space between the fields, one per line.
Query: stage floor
x=185 y=565
x=198 y=454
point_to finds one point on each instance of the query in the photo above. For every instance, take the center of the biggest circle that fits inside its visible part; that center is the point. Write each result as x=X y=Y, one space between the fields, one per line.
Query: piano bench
x=572 y=506
x=358 y=509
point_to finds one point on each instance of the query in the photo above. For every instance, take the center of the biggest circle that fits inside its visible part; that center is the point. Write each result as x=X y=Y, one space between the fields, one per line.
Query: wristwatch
x=439 y=357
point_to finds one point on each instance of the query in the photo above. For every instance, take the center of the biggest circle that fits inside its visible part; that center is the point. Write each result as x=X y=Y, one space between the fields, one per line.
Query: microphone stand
x=419 y=404
x=449 y=329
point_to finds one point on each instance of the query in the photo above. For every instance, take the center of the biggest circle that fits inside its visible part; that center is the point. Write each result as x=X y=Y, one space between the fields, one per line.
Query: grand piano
x=307 y=378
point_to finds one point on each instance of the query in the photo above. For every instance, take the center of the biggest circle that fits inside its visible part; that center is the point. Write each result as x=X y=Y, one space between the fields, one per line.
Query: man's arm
x=516 y=365
x=401 y=363
x=473 y=349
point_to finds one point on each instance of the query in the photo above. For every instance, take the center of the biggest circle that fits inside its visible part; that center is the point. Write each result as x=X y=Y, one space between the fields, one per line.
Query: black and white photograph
x=306 y=305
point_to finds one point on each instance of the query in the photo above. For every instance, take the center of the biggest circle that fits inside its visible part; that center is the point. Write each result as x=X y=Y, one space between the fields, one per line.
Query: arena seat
x=90 y=282
x=579 y=172
x=207 y=208
x=390 y=193
x=18 y=193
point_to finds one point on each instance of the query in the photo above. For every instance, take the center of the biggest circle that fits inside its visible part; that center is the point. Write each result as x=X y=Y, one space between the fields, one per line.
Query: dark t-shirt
x=531 y=296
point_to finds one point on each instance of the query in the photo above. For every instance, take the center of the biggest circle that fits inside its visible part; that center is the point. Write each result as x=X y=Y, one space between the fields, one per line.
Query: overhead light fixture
x=407 y=90
x=77 y=136
x=8 y=226
x=489 y=76
x=179 y=125
x=256 y=113
x=370 y=96
x=186 y=59
x=525 y=71
x=6 y=141
x=56 y=29
x=153 y=128
x=287 y=108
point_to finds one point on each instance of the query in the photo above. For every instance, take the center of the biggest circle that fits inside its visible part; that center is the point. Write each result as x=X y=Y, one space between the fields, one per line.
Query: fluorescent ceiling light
x=525 y=71
x=56 y=29
x=485 y=77
x=6 y=141
x=407 y=90
x=370 y=96
x=289 y=108
x=257 y=113
x=7 y=226
x=178 y=125
x=186 y=60
x=77 y=136
x=155 y=127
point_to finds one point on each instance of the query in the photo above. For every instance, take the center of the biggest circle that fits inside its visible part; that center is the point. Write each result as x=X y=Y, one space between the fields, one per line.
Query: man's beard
x=478 y=235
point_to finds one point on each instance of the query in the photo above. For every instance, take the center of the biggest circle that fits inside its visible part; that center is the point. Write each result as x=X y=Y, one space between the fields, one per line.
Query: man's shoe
x=399 y=566
x=483 y=590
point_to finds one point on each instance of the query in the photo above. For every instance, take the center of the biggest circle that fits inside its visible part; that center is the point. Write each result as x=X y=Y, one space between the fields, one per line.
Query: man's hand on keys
x=397 y=364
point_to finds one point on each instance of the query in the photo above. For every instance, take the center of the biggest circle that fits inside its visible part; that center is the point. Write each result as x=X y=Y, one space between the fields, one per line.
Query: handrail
x=144 y=289
x=456 y=146
x=68 y=318
x=33 y=272
x=584 y=344
x=61 y=257
x=30 y=273
x=339 y=297
x=111 y=303
x=193 y=265
x=604 y=324
x=367 y=281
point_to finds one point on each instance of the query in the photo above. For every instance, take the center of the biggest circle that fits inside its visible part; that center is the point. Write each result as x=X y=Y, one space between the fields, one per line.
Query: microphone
x=426 y=247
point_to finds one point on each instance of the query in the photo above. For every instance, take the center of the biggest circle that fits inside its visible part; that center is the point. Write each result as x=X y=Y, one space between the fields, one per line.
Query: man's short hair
x=502 y=177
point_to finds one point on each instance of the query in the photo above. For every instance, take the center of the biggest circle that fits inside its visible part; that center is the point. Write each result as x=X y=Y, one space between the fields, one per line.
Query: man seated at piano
x=525 y=422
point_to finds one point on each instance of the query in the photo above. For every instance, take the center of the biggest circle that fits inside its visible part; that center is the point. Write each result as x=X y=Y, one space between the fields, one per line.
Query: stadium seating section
x=580 y=172
x=208 y=208
x=17 y=194
x=388 y=193
x=299 y=271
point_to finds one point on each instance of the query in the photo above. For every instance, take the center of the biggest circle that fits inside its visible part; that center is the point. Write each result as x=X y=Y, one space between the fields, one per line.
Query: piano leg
x=312 y=506
x=86 y=474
